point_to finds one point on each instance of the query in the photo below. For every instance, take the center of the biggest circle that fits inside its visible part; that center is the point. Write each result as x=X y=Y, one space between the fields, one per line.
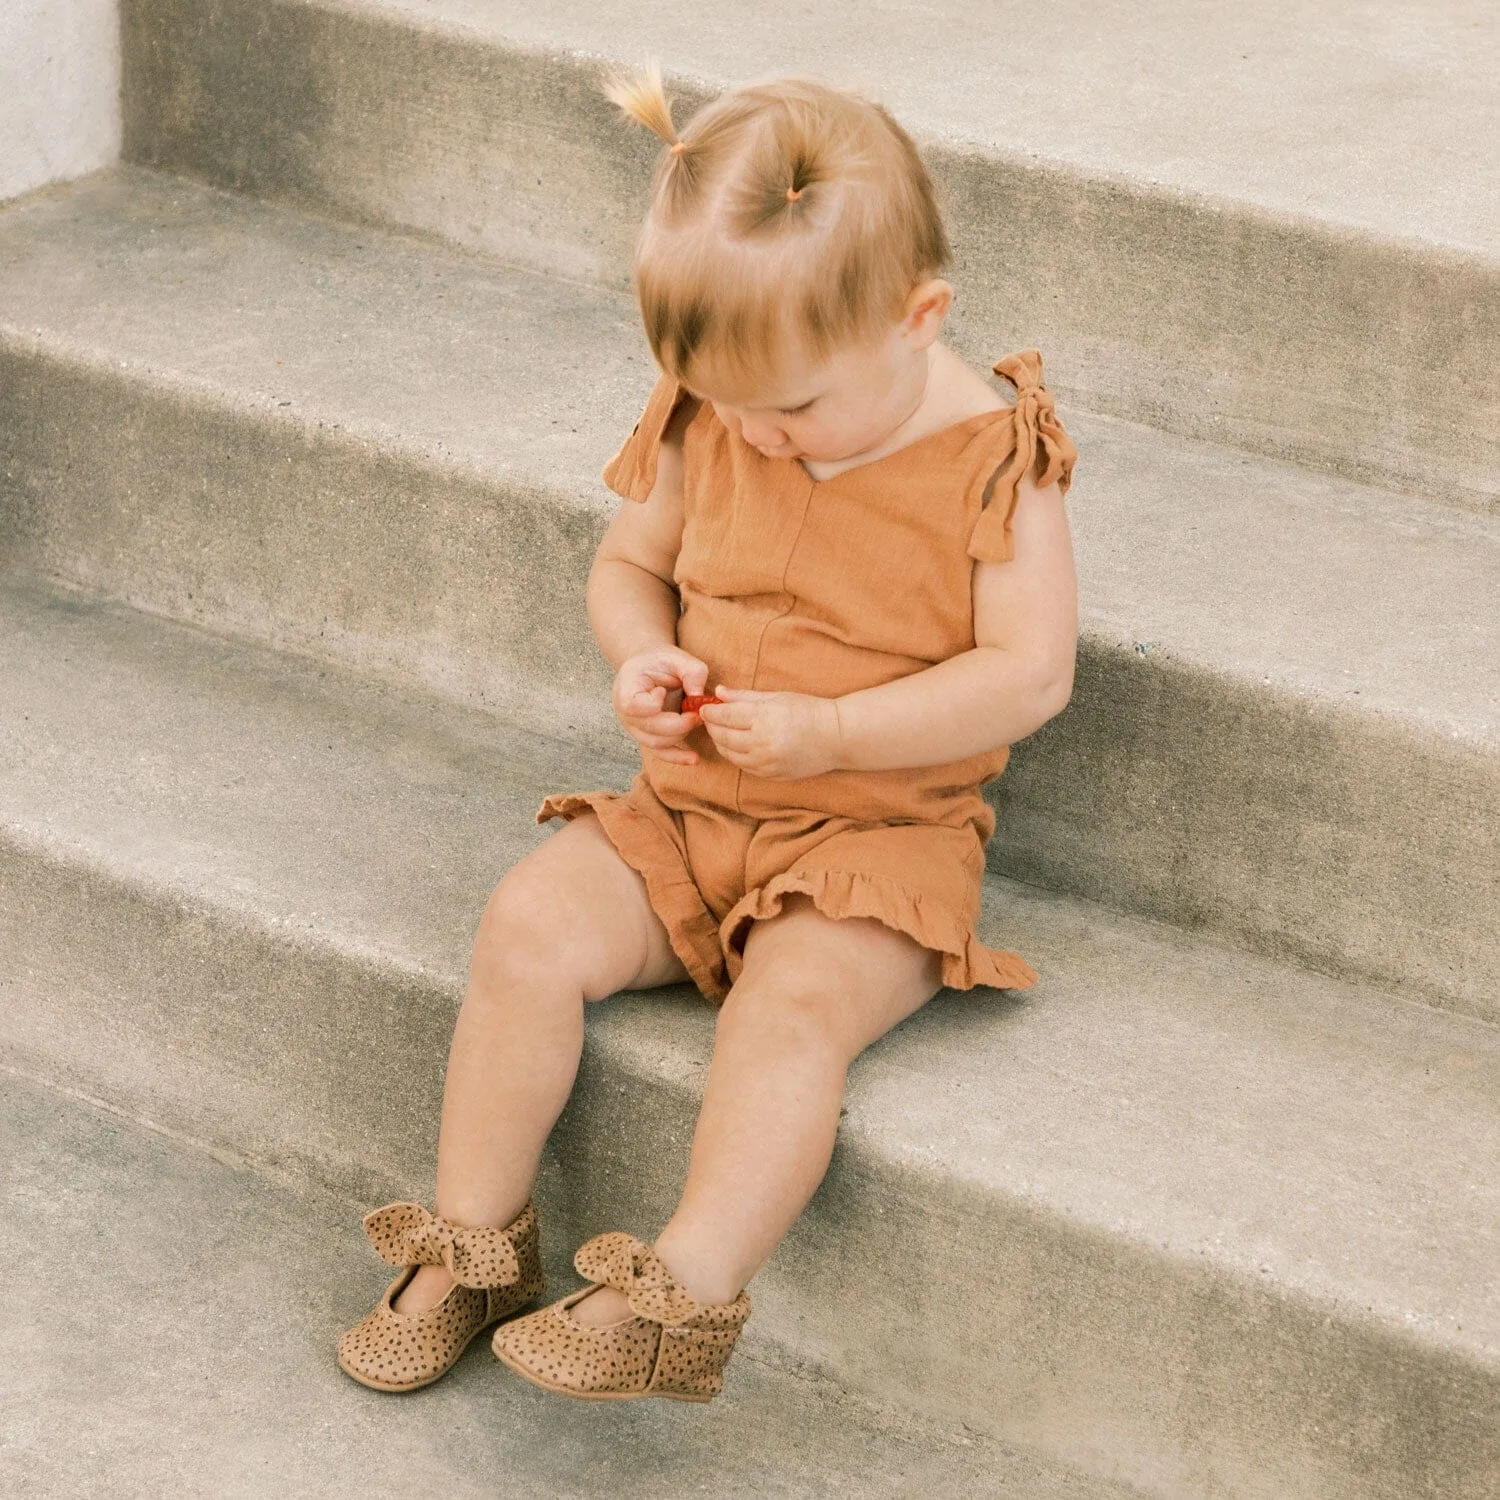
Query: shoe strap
x=633 y=1267
x=406 y=1234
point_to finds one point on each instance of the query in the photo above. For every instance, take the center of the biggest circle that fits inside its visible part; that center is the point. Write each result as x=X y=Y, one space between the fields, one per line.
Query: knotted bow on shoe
x=405 y=1234
x=1038 y=432
x=631 y=1266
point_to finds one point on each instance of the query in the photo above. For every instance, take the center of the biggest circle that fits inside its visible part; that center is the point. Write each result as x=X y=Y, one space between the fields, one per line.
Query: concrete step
x=181 y=1344
x=362 y=447
x=1179 y=1217
x=1257 y=226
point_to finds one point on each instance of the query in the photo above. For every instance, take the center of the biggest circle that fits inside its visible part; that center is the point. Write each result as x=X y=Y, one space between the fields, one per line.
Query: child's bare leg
x=814 y=993
x=569 y=923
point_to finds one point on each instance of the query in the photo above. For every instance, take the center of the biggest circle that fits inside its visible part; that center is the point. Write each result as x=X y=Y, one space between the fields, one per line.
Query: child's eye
x=793 y=411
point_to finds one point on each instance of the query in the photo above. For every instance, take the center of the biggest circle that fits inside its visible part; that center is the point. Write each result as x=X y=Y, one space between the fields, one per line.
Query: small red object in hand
x=692 y=702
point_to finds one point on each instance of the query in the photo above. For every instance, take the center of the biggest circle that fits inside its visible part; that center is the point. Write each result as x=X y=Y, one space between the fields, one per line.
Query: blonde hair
x=783 y=209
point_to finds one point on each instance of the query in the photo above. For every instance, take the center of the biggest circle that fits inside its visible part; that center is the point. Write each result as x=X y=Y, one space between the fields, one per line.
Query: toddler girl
x=845 y=538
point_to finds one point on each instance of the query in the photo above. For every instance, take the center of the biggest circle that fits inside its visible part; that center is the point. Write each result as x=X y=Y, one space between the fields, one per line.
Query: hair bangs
x=738 y=306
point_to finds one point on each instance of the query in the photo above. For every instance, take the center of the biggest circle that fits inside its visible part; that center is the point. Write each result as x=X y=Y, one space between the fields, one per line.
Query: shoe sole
x=562 y=1390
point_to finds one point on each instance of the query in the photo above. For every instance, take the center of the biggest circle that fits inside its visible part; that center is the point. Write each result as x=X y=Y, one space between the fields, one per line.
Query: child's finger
x=673 y=668
x=653 y=741
x=645 y=707
x=693 y=676
x=677 y=756
x=728 y=715
x=727 y=737
x=739 y=695
x=668 y=725
x=659 y=742
x=738 y=758
x=645 y=700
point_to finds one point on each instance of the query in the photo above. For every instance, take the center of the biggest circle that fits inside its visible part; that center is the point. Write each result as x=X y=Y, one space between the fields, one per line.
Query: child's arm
x=1019 y=675
x=633 y=607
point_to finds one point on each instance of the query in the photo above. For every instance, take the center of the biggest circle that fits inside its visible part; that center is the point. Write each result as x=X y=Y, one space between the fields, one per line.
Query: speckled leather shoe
x=673 y=1345
x=497 y=1271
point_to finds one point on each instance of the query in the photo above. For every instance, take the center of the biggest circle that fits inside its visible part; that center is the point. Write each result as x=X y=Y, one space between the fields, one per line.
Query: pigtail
x=804 y=169
x=784 y=171
x=641 y=98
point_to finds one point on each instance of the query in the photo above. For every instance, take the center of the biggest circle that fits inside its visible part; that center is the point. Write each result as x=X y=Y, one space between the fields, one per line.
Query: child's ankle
x=700 y=1269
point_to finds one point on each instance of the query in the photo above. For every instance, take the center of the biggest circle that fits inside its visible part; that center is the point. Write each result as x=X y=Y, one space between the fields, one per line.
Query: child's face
x=838 y=407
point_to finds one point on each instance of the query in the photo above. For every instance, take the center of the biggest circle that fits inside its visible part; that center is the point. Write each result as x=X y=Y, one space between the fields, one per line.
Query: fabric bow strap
x=1043 y=449
x=631 y=1266
x=405 y=1234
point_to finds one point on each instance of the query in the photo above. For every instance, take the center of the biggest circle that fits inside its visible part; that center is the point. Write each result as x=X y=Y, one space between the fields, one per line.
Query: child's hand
x=642 y=687
x=780 y=735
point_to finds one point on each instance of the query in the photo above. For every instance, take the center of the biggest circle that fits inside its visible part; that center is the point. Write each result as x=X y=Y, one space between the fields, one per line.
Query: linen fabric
x=789 y=583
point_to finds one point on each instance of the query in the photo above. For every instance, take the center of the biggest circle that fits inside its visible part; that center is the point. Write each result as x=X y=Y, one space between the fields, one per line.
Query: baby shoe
x=673 y=1346
x=496 y=1272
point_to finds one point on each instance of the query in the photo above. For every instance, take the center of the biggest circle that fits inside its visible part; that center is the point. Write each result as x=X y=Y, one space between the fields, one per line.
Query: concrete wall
x=59 y=90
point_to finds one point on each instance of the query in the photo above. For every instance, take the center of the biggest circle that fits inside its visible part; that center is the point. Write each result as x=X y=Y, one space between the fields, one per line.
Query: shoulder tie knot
x=405 y=1234
x=1043 y=449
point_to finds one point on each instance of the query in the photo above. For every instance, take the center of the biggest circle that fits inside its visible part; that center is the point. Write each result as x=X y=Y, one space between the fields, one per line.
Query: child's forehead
x=790 y=380
x=787 y=381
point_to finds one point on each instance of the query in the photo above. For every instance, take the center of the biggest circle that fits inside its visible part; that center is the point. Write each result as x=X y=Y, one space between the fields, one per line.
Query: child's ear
x=926 y=309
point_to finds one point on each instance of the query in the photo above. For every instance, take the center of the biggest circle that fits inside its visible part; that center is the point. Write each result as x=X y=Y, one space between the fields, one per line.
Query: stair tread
x=1242 y=565
x=213 y=1373
x=1270 y=106
x=1208 y=1106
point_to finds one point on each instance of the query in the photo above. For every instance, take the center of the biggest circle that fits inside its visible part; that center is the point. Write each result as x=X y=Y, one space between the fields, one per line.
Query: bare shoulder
x=957 y=391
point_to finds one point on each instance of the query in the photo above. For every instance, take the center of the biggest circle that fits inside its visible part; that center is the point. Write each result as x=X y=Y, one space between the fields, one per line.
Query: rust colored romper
x=794 y=584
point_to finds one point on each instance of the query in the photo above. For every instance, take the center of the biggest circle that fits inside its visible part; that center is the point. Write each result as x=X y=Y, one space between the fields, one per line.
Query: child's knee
x=544 y=929
x=788 y=1011
x=525 y=927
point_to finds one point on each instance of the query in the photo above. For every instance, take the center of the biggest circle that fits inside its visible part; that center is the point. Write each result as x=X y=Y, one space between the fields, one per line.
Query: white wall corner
x=59 y=90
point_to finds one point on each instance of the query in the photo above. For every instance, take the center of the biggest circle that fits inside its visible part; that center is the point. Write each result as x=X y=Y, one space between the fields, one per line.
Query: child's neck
x=951 y=393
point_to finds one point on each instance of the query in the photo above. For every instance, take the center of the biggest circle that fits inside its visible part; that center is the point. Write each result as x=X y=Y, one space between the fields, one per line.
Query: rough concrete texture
x=182 y=1345
x=59 y=91
x=1278 y=107
x=1272 y=261
x=1221 y=1227
x=252 y=419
